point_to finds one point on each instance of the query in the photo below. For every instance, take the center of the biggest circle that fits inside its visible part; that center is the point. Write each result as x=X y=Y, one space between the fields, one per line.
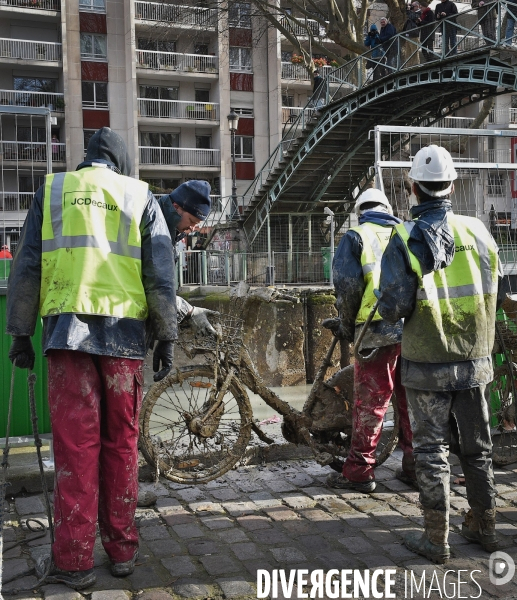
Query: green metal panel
x=21 y=424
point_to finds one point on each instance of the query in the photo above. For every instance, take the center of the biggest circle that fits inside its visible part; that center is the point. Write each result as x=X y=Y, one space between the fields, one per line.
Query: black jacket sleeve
x=348 y=280
x=24 y=284
x=158 y=272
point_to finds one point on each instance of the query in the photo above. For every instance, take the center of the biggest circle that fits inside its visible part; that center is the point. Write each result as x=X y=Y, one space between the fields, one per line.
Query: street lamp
x=233 y=121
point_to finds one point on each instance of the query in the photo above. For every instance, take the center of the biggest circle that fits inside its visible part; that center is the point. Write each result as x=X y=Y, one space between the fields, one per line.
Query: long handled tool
x=366 y=357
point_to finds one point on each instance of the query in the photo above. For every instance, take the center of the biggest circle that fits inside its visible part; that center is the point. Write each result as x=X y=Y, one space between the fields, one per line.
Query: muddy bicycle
x=197 y=422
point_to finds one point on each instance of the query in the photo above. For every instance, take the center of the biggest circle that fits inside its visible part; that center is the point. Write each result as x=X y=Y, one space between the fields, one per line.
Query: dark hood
x=431 y=239
x=107 y=146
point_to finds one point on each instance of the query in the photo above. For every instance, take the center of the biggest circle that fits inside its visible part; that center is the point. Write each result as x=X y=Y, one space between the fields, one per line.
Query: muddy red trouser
x=374 y=383
x=94 y=405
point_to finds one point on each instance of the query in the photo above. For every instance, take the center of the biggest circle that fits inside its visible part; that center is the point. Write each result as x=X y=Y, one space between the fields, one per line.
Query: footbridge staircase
x=327 y=156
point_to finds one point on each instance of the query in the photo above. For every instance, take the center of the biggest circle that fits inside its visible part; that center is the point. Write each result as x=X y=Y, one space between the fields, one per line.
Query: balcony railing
x=31 y=151
x=174 y=61
x=291 y=113
x=499 y=155
x=178 y=109
x=17 y=98
x=47 y=51
x=35 y=4
x=503 y=115
x=299 y=72
x=454 y=122
x=300 y=26
x=183 y=157
x=15 y=201
x=172 y=13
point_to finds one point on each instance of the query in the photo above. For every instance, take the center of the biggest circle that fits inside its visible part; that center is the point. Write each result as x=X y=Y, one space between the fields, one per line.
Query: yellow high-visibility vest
x=91 y=244
x=454 y=315
x=375 y=238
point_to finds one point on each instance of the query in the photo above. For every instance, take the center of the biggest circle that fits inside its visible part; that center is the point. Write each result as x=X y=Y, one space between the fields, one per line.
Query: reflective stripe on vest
x=91 y=244
x=375 y=238
x=454 y=315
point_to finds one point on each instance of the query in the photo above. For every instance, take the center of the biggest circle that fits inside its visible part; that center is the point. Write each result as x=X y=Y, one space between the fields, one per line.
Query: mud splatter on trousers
x=94 y=406
x=374 y=383
x=459 y=421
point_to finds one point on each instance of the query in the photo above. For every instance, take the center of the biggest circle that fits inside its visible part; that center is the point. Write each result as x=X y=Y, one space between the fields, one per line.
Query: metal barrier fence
x=214 y=267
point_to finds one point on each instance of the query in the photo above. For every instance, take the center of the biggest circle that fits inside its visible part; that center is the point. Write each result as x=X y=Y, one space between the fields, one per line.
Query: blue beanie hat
x=194 y=197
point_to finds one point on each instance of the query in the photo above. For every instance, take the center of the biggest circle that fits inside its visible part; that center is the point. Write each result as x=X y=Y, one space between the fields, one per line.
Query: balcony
x=33 y=152
x=15 y=201
x=178 y=109
x=291 y=113
x=300 y=73
x=33 y=50
x=499 y=155
x=502 y=116
x=53 y=101
x=33 y=4
x=190 y=16
x=300 y=26
x=181 y=157
x=174 y=61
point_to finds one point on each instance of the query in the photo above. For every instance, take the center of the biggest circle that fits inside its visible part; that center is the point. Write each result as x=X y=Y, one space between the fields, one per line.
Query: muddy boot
x=433 y=542
x=479 y=527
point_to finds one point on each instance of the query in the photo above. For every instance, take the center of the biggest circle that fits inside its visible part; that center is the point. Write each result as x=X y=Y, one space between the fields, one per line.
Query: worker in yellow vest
x=441 y=273
x=95 y=259
x=356 y=271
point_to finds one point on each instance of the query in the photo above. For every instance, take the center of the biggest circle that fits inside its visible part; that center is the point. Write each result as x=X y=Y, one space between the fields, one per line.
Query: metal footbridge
x=326 y=156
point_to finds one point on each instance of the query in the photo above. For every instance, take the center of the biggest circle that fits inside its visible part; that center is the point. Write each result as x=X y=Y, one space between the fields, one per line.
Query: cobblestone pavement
x=209 y=541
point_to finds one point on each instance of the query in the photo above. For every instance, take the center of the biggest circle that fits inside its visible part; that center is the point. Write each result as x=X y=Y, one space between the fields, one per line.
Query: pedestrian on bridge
x=441 y=274
x=373 y=41
x=389 y=45
x=95 y=260
x=410 y=50
x=356 y=271
x=427 y=33
x=487 y=15
x=445 y=11
x=511 y=19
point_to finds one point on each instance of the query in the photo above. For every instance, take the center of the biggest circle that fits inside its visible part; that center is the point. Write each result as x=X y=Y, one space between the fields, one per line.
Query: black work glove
x=21 y=352
x=163 y=353
x=336 y=326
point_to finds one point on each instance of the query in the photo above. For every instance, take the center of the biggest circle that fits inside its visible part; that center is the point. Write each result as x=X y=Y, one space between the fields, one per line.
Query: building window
x=87 y=134
x=240 y=59
x=31 y=134
x=35 y=84
x=160 y=140
x=286 y=56
x=287 y=100
x=202 y=95
x=30 y=183
x=244 y=112
x=240 y=15
x=157 y=45
x=159 y=186
x=95 y=94
x=93 y=5
x=156 y=92
x=93 y=46
x=201 y=49
x=243 y=147
x=496 y=184
x=203 y=142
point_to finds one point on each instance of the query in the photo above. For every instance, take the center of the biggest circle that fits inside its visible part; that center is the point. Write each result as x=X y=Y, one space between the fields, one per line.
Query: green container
x=21 y=424
x=499 y=359
x=325 y=254
x=5 y=267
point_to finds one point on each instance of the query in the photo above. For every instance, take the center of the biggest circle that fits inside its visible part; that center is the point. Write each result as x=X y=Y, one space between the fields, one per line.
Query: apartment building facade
x=163 y=75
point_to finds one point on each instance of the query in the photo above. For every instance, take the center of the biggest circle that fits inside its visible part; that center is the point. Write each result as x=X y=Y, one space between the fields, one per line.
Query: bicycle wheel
x=167 y=432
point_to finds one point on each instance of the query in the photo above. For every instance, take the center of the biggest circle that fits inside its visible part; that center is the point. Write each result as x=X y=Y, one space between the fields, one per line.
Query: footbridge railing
x=470 y=32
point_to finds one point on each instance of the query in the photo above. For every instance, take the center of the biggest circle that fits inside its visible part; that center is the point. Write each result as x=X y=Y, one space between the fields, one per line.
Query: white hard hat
x=433 y=163
x=372 y=195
